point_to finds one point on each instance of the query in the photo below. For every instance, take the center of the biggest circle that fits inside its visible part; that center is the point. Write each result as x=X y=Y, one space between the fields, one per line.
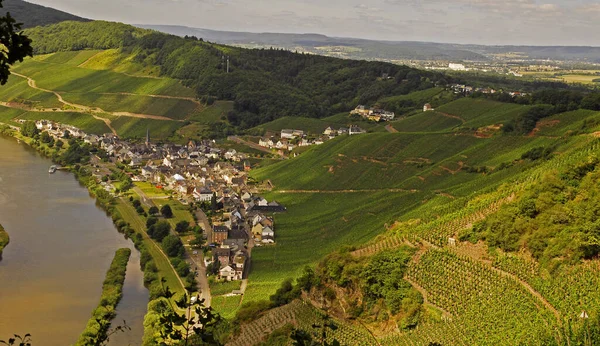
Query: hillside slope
x=423 y=189
x=32 y=15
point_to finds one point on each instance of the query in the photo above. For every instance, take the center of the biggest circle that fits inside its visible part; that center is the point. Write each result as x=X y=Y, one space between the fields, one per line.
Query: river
x=61 y=245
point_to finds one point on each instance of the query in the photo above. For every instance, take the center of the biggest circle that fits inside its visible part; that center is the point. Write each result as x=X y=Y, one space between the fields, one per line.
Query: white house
x=267 y=232
x=427 y=107
x=203 y=194
x=457 y=67
x=287 y=133
x=355 y=130
x=227 y=273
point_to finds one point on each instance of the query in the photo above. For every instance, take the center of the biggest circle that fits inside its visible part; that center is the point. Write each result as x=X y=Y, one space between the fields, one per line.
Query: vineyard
x=303 y=316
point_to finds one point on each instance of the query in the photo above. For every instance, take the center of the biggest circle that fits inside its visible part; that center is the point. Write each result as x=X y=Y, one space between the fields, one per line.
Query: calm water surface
x=61 y=245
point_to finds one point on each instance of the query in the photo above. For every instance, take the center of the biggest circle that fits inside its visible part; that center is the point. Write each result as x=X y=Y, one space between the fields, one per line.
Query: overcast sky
x=531 y=22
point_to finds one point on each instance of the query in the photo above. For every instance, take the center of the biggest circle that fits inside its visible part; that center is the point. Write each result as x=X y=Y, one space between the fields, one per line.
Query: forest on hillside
x=266 y=84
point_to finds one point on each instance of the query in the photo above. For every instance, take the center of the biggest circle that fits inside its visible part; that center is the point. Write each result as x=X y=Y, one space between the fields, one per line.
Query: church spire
x=147 y=136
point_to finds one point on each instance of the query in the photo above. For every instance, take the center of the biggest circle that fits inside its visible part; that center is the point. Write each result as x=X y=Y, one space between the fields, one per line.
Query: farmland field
x=426 y=121
x=73 y=58
x=176 y=109
x=481 y=112
x=136 y=127
x=67 y=78
x=213 y=113
x=17 y=90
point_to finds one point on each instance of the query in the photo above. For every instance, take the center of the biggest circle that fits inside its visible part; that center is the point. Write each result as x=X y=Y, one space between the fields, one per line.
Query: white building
x=457 y=67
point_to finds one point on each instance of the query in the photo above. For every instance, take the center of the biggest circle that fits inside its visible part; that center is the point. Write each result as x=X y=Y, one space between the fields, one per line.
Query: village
x=199 y=174
x=289 y=139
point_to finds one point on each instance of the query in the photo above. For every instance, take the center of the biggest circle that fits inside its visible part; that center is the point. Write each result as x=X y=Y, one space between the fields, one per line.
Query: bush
x=172 y=246
x=182 y=226
x=159 y=230
x=166 y=211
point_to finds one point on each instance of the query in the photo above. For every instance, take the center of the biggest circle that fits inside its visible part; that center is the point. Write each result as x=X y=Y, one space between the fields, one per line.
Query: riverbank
x=153 y=263
x=4 y=240
x=97 y=328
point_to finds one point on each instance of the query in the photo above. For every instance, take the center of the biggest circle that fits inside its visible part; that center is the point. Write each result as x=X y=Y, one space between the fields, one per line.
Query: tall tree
x=16 y=45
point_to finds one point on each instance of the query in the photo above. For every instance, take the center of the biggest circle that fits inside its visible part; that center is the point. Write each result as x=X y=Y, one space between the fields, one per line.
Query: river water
x=61 y=245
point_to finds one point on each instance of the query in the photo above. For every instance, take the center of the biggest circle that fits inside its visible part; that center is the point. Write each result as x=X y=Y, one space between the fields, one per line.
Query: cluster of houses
x=245 y=217
x=467 y=90
x=373 y=114
x=57 y=130
x=290 y=139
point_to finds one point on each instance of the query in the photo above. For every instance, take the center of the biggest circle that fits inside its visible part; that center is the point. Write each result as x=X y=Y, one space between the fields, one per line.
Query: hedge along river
x=61 y=246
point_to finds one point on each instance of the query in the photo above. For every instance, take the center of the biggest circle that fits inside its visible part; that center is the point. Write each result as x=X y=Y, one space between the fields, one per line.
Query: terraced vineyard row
x=346 y=334
x=256 y=331
x=571 y=289
x=491 y=309
x=438 y=231
x=445 y=333
x=303 y=315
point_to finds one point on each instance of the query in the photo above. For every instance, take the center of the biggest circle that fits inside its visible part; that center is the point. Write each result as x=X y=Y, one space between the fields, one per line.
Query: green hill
x=431 y=187
x=265 y=84
x=36 y=15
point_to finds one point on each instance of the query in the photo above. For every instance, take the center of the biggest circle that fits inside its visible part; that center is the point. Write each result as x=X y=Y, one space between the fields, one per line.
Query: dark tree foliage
x=182 y=226
x=166 y=211
x=555 y=220
x=159 y=230
x=29 y=129
x=17 y=45
x=172 y=246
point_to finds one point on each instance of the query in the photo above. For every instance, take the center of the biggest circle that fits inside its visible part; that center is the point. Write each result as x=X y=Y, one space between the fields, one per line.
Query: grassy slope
x=426 y=163
x=67 y=78
x=482 y=112
x=171 y=108
x=426 y=121
x=136 y=127
x=17 y=90
x=212 y=113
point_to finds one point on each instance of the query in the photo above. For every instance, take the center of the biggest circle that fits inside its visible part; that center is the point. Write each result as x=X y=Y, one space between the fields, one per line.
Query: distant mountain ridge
x=380 y=50
x=32 y=15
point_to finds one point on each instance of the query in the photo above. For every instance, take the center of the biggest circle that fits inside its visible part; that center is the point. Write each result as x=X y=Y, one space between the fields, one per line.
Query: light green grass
x=162 y=263
x=481 y=112
x=73 y=58
x=17 y=90
x=150 y=191
x=67 y=78
x=224 y=287
x=226 y=306
x=9 y=115
x=117 y=61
